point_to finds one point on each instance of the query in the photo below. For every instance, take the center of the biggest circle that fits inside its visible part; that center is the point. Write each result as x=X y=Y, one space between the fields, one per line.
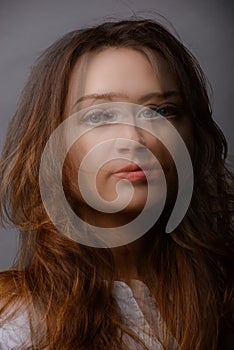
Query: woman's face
x=120 y=85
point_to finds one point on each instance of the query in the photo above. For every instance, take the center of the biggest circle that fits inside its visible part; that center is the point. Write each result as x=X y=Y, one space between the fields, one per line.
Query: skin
x=130 y=78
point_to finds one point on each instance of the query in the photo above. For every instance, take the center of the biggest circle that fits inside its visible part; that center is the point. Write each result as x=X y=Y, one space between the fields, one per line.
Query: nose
x=131 y=139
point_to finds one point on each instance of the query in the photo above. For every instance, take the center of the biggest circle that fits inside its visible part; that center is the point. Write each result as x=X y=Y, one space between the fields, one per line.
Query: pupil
x=95 y=118
x=148 y=113
x=165 y=112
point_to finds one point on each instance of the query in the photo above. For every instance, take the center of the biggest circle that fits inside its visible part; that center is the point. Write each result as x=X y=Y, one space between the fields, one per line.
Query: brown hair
x=62 y=281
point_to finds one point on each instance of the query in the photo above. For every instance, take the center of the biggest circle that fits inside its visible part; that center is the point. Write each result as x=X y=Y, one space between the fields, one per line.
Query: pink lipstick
x=134 y=172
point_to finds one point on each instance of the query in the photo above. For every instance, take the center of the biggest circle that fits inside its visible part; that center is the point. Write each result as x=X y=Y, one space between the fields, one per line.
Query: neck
x=129 y=259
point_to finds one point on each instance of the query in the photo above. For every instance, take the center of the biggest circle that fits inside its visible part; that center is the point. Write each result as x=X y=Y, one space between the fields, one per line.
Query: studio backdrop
x=28 y=27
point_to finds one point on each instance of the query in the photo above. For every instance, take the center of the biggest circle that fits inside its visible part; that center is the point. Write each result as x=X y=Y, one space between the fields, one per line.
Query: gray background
x=28 y=27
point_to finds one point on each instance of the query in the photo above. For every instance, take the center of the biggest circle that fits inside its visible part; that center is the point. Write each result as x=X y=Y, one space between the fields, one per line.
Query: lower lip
x=137 y=175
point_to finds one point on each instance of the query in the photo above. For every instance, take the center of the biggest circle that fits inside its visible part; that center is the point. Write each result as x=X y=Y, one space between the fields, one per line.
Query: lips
x=130 y=168
x=134 y=172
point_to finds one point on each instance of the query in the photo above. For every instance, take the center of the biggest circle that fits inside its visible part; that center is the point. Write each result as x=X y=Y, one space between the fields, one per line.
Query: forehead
x=124 y=71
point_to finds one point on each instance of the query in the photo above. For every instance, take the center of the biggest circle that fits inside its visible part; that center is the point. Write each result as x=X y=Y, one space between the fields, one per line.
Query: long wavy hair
x=61 y=281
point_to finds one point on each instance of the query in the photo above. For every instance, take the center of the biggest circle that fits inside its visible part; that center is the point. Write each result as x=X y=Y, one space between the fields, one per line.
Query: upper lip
x=136 y=167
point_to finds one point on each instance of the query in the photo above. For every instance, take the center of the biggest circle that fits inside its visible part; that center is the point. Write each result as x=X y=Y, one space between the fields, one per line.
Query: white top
x=139 y=313
x=16 y=332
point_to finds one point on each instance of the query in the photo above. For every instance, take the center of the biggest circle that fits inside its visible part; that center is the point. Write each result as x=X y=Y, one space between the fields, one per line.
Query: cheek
x=81 y=148
x=169 y=149
x=76 y=154
x=86 y=160
x=184 y=129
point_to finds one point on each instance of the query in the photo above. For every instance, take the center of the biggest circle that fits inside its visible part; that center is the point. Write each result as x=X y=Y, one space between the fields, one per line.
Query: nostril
x=124 y=150
x=130 y=146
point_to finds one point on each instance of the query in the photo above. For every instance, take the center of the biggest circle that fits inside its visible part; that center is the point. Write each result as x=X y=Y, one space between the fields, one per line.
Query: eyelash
x=175 y=110
x=175 y=113
x=91 y=114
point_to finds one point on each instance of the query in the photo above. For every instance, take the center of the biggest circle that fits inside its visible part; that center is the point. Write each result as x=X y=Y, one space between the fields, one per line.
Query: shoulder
x=15 y=331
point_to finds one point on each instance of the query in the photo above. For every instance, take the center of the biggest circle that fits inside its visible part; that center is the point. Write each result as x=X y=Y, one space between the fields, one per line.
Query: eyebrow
x=109 y=96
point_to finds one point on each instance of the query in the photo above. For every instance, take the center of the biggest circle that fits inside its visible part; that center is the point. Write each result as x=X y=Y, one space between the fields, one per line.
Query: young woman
x=117 y=104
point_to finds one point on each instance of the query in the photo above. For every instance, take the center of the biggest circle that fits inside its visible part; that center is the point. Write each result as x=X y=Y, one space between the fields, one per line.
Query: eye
x=93 y=117
x=148 y=113
x=168 y=111
x=151 y=113
x=99 y=116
